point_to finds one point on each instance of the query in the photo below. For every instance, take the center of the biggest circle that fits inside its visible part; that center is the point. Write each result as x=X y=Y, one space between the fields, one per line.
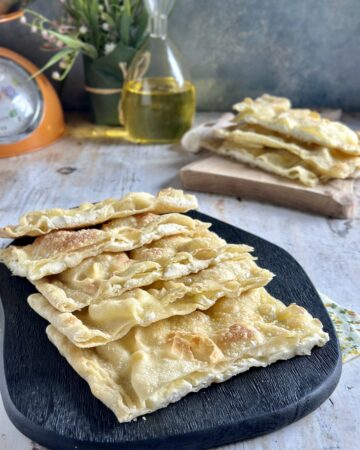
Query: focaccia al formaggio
x=59 y=250
x=269 y=134
x=324 y=162
x=277 y=161
x=301 y=124
x=111 y=274
x=157 y=365
x=42 y=222
x=112 y=318
x=151 y=305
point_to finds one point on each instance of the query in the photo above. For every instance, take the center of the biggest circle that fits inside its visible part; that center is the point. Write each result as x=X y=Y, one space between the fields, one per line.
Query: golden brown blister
x=157 y=365
x=59 y=250
x=111 y=274
x=41 y=222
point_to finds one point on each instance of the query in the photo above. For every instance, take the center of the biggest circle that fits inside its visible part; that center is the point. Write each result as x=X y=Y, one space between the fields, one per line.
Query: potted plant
x=107 y=34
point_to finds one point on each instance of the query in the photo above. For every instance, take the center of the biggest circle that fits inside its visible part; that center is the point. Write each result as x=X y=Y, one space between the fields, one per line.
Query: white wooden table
x=72 y=171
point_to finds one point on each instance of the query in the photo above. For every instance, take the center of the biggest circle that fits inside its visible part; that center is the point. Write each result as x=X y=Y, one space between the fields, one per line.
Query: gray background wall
x=307 y=50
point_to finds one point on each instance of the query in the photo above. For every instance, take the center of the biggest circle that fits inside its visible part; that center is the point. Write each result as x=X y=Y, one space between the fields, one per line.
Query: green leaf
x=140 y=30
x=125 y=25
x=127 y=6
x=53 y=60
x=94 y=19
x=75 y=44
x=36 y=14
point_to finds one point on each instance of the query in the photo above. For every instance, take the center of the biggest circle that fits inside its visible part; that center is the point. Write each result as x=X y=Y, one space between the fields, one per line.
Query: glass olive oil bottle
x=158 y=99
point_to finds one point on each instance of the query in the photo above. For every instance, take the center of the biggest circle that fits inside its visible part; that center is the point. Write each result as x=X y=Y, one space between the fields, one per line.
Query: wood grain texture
x=71 y=171
x=222 y=176
x=49 y=402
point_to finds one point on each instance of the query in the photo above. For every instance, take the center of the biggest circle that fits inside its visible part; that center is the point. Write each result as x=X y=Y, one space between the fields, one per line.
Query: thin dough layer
x=37 y=223
x=277 y=161
x=113 y=318
x=111 y=274
x=59 y=250
x=157 y=365
x=324 y=162
x=302 y=124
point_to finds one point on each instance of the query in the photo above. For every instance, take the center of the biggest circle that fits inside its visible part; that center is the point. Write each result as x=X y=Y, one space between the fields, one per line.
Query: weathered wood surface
x=72 y=171
x=220 y=175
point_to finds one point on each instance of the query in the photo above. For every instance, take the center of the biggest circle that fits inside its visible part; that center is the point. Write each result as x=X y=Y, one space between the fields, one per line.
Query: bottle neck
x=158 y=26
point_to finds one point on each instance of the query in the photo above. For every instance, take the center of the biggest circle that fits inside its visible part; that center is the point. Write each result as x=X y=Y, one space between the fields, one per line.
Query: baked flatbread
x=277 y=161
x=266 y=105
x=157 y=365
x=302 y=124
x=42 y=222
x=112 y=318
x=59 y=250
x=111 y=274
x=249 y=139
x=327 y=163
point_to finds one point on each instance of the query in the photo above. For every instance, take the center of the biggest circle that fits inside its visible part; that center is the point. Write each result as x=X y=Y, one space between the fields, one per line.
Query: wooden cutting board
x=48 y=402
x=222 y=176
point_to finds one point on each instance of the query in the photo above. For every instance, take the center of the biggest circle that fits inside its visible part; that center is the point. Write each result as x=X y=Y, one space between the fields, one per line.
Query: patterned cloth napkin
x=347 y=326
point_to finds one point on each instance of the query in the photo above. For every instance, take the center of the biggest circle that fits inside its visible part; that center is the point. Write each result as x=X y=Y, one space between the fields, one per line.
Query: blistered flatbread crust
x=302 y=124
x=270 y=135
x=326 y=163
x=111 y=274
x=41 y=222
x=112 y=318
x=279 y=162
x=59 y=250
x=157 y=365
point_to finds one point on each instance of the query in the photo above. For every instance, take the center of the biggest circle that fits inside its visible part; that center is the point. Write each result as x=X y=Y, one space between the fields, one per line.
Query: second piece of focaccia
x=57 y=251
x=111 y=274
x=275 y=161
x=326 y=163
x=302 y=124
x=41 y=222
x=154 y=366
x=113 y=318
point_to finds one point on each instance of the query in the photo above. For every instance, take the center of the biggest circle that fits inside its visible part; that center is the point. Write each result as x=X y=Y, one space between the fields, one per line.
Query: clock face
x=21 y=102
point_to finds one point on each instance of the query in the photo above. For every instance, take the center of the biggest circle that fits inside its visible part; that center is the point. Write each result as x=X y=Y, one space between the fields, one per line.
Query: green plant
x=91 y=27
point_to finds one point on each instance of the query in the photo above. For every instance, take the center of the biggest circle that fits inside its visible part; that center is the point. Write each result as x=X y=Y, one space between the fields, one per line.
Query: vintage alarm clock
x=31 y=115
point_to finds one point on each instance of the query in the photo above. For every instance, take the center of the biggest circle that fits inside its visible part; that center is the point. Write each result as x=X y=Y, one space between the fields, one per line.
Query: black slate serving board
x=48 y=402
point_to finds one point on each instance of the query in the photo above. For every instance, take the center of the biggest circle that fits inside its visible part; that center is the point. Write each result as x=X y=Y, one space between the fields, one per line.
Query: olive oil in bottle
x=158 y=100
x=158 y=109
